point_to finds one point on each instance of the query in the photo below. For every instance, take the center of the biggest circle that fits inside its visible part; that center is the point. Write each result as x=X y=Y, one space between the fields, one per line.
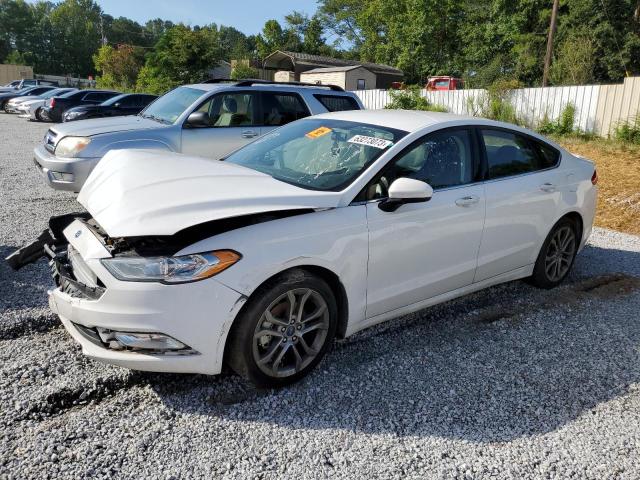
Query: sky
x=248 y=16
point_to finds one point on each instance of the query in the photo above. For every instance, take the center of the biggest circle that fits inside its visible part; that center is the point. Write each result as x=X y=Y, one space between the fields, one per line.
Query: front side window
x=282 y=108
x=317 y=154
x=509 y=154
x=442 y=159
x=172 y=104
x=231 y=109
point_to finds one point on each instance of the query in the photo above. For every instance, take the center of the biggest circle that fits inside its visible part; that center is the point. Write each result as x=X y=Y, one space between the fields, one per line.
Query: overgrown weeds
x=629 y=131
x=410 y=98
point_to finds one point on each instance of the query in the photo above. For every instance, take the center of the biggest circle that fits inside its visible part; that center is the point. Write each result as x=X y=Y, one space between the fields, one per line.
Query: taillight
x=594 y=177
x=52 y=103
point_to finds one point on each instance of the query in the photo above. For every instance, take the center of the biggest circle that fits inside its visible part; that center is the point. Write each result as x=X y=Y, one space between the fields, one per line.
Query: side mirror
x=198 y=120
x=406 y=190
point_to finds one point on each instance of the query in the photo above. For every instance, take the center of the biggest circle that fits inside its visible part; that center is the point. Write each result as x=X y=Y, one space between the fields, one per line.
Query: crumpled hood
x=147 y=192
x=96 y=126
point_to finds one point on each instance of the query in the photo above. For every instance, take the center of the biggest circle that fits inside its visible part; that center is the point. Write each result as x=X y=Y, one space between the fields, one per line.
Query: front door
x=426 y=249
x=233 y=122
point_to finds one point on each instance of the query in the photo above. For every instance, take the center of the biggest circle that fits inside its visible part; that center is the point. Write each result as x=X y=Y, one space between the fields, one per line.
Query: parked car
x=120 y=105
x=444 y=83
x=5 y=97
x=210 y=119
x=12 y=106
x=317 y=230
x=30 y=108
x=10 y=86
x=55 y=107
x=35 y=82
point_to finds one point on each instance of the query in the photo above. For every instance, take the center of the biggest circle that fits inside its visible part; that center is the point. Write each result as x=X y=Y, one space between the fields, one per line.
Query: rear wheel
x=556 y=255
x=39 y=114
x=284 y=330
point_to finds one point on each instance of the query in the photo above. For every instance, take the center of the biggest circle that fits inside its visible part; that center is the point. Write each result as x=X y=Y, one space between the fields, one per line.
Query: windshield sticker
x=380 y=143
x=318 y=132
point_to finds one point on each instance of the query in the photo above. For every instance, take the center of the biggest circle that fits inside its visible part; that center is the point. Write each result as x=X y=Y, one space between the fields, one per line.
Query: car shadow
x=506 y=363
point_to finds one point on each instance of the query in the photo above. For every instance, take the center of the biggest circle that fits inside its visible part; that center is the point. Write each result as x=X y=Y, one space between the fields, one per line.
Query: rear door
x=233 y=122
x=280 y=108
x=523 y=192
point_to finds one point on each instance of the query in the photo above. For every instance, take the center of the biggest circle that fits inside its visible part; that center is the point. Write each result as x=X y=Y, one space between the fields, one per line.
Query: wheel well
x=336 y=287
x=338 y=291
x=576 y=218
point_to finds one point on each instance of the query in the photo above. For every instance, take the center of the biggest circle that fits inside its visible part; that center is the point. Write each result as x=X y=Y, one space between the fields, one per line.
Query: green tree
x=119 y=67
x=574 y=61
x=76 y=34
x=182 y=55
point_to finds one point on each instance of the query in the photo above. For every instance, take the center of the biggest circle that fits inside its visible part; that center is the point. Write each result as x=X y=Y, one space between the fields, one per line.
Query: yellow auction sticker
x=318 y=132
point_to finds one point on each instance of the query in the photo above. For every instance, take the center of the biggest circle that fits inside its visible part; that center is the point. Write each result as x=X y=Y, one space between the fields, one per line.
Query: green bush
x=411 y=99
x=496 y=104
x=243 y=71
x=629 y=131
x=563 y=125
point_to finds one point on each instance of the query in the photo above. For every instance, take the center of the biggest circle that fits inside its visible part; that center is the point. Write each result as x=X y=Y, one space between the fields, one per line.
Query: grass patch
x=618 y=167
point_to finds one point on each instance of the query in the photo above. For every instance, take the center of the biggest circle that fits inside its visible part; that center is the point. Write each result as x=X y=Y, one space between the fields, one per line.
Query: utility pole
x=103 y=38
x=552 y=30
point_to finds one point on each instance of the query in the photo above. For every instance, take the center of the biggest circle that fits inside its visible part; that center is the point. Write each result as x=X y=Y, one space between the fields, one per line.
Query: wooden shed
x=353 y=77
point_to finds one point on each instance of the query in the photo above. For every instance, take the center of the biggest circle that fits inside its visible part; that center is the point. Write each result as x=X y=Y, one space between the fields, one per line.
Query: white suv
x=208 y=119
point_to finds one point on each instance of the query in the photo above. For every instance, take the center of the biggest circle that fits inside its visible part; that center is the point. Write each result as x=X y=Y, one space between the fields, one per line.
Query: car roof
x=407 y=120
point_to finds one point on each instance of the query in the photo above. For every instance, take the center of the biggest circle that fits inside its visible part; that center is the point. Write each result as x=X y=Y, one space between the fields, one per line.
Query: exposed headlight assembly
x=171 y=270
x=71 y=146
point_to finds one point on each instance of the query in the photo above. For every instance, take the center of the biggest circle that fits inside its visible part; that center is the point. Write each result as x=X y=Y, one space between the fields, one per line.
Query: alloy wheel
x=291 y=332
x=560 y=253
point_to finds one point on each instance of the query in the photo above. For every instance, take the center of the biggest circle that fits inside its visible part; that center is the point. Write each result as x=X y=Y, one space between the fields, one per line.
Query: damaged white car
x=321 y=228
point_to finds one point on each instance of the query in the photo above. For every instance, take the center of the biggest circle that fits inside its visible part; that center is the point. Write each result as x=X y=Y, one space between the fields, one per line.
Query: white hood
x=146 y=192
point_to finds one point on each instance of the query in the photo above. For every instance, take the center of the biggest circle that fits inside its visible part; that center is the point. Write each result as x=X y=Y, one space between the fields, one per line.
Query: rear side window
x=509 y=154
x=337 y=103
x=98 y=97
x=549 y=157
x=282 y=108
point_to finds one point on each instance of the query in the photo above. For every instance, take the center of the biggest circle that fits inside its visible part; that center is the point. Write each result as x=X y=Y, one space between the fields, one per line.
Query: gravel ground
x=513 y=382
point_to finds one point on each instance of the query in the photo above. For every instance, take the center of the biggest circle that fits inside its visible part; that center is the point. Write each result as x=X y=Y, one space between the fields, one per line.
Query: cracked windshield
x=318 y=154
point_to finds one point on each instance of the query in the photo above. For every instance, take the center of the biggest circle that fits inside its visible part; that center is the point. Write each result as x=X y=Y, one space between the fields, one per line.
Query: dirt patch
x=619 y=181
x=601 y=287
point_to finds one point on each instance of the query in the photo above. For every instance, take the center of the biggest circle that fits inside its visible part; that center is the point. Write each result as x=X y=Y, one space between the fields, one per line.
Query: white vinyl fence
x=599 y=108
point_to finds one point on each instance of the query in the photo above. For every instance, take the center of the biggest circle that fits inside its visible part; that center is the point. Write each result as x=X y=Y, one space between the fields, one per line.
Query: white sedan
x=317 y=230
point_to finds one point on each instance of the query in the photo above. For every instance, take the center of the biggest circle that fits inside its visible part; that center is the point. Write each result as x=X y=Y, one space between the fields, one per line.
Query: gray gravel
x=513 y=382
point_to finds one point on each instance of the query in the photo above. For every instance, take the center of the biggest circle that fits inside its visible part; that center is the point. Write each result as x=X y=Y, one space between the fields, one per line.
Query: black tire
x=546 y=275
x=244 y=348
x=38 y=114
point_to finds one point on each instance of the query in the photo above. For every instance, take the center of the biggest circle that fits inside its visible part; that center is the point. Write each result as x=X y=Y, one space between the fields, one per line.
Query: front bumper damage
x=140 y=325
x=49 y=242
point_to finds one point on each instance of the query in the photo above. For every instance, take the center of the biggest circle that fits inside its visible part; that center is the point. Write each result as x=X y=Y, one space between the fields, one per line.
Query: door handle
x=548 y=187
x=249 y=134
x=467 y=201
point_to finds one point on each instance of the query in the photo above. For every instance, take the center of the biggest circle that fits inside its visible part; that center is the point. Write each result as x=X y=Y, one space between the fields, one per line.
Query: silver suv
x=207 y=119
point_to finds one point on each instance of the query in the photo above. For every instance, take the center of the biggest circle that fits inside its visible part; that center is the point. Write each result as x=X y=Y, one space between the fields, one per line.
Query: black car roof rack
x=247 y=82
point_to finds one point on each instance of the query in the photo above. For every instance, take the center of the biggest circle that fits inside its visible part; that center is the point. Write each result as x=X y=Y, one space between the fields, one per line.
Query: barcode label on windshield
x=380 y=143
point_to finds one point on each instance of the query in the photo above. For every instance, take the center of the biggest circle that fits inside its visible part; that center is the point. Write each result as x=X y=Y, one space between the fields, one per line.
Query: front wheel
x=556 y=255
x=284 y=330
